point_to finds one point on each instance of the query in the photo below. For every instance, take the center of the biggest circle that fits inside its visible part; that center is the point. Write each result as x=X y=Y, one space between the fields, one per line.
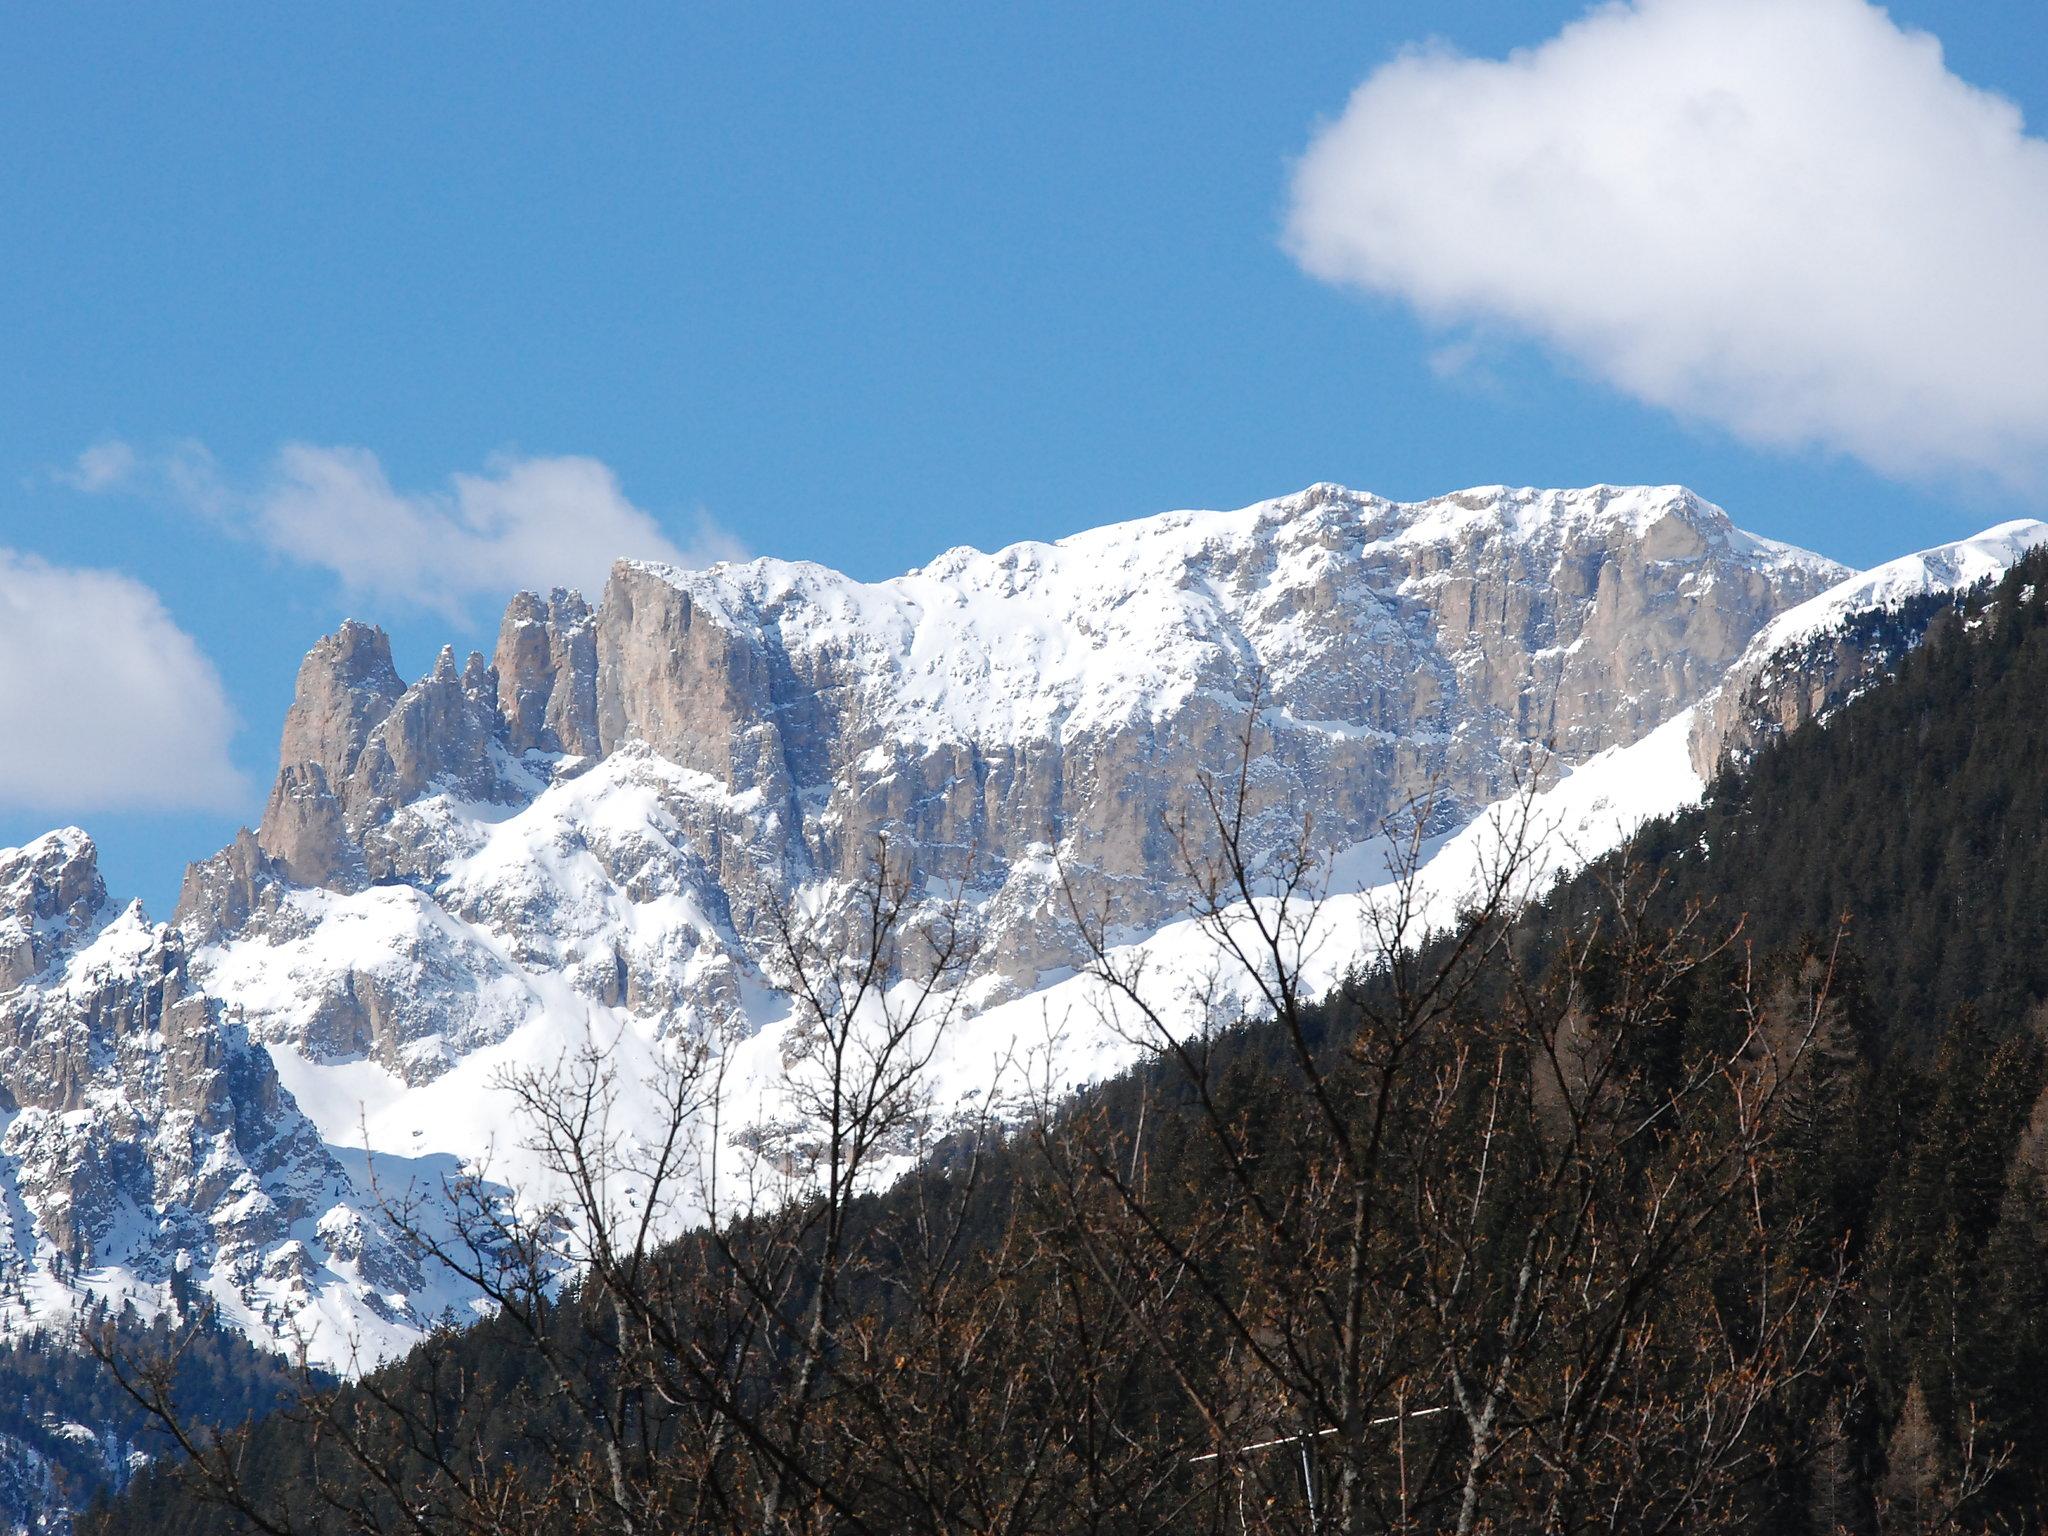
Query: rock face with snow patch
x=1028 y=727
x=995 y=711
x=1816 y=657
x=358 y=745
x=547 y=674
x=583 y=841
x=51 y=896
x=147 y=1137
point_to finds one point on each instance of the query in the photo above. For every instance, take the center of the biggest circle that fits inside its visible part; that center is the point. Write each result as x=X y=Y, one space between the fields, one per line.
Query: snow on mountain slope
x=419 y=891
x=1943 y=568
x=1077 y=1030
x=147 y=1145
x=1066 y=1033
x=1130 y=621
x=1812 y=659
x=582 y=844
x=1012 y=720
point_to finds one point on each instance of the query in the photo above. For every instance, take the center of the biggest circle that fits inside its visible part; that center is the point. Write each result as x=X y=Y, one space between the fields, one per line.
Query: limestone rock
x=346 y=686
x=305 y=831
x=222 y=893
x=547 y=674
x=51 y=898
x=440 y=732
x=368 y=747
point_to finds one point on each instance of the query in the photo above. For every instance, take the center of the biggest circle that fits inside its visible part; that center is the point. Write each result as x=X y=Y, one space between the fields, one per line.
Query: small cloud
x=1454 y=359
x=534 y=522
x=113 y=705
x=105 y=466
x=1787 y=217
x=711 y=543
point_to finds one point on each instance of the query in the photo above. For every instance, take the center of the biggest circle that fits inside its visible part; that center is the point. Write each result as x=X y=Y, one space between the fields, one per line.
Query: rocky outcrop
x=51 y=897
x=1812 y=659
x=547 y=674
x=443 y=733
x=222 y=894
x=360 y=746
x=346 y=687
x=305 y=832
x=687 y=679
x=147 y=1136
x=1803 y=681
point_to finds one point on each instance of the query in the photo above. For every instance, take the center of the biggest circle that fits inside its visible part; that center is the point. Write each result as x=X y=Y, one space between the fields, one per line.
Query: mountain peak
x=52 y=899
x=586 y=835
x=346 y=685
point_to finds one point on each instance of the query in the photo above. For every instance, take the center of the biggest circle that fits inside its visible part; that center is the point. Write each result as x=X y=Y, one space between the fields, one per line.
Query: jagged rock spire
x=51 y=897
x=346 y=687
x=547 y=674
x=358 y=746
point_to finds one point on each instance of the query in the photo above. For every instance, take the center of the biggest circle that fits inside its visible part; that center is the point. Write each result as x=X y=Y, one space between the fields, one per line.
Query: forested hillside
x=1921 y=814
x=51 y=1462
x=1710 y=1195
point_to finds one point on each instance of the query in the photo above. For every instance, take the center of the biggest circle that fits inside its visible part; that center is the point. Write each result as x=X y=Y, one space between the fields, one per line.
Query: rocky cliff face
x=581 y=840
x=990 y=714
x=547 y=675
x=148 y=1141
x=995 y=710
x=359 y=746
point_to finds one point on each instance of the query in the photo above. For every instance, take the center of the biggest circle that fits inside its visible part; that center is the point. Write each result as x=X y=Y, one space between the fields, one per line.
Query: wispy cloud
x=102 y=467
x=519 y=522
x=1783 y=216
x=111 y=704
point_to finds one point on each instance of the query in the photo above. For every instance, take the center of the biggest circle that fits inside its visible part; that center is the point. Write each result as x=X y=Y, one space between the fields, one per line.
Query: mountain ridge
x=581 y=839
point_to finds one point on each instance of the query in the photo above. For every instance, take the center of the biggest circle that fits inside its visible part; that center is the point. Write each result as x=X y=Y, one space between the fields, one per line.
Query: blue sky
x=845 y=283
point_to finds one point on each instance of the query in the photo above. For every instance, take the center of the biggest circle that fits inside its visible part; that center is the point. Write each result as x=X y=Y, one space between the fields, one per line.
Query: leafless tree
x=1490 y=1239
x=805 y=1357
x=1501 y=1188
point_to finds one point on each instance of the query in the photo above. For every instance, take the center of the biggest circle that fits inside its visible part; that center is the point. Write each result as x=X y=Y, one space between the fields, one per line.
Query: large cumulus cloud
x=1787 y=217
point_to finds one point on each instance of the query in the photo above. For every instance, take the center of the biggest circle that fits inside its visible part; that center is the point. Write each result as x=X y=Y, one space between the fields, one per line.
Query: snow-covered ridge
x=1123 y=621
x=1951 y=567
x=1804 y=665
x=1524 y=514
x=581 y=840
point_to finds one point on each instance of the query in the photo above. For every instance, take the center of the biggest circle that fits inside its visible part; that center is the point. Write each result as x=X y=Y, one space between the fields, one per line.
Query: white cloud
x=536 y=522
x=521 y=522
x=1783 y=216
x=102 y=467
x=109 y=703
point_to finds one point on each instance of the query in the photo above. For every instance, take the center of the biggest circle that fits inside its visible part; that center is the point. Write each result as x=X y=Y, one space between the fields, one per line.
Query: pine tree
x=1911 y=1486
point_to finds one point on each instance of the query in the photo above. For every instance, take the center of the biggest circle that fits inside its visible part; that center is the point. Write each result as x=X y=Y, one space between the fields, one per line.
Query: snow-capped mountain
x=583 y=839
x=148 y=1143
